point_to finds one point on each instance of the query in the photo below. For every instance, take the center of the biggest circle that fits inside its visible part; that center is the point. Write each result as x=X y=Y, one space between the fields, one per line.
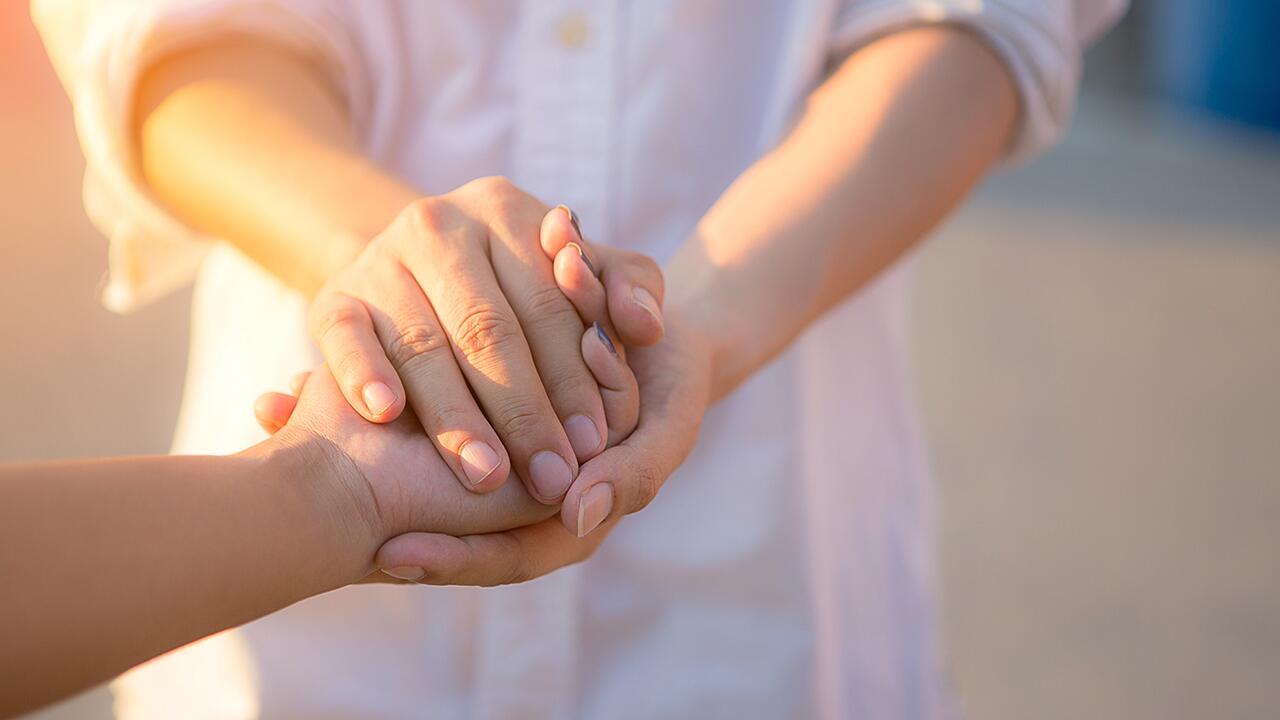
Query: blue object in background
x=1223 y=55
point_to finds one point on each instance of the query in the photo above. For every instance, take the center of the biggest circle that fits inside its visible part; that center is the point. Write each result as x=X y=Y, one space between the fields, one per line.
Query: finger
x=297 y=382
x=554 y=331
x=605 y=358
x=633 y=282
x=491 y=348
x=503 y=558
x=620 y=481
x=419 y=350
x=559 y=228
x=634 y=286
x=341 y=325
x=635 y=470
x=583 y=289
x=618 y=389
x=272 y=410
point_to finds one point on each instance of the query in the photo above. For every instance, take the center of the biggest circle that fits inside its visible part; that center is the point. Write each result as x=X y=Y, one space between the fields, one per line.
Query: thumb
x=634 y=286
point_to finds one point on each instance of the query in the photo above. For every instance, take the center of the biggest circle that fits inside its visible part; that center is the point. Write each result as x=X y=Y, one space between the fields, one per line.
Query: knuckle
x=501 y=197
x=484 y=329
x=349 y=367
x=415 y=343
x=585 y=551
x=644 y=263
x=426 y=216
x=448 y=412
x=649 y=269
x=517 y=568
x=492 y=186
x=648 y=483
x=639 y=267
x=567 y=383
x=341 y=311
x=546 y=308
x=520 y=417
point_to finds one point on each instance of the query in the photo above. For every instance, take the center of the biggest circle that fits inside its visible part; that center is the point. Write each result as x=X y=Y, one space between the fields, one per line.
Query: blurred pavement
x=1097 y=343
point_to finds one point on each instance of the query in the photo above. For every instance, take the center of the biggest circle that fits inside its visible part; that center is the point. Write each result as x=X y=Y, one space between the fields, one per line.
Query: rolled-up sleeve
x=1040 y=41
x=99 y=48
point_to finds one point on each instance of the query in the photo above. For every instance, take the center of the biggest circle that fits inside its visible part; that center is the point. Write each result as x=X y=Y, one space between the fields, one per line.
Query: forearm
x=248 y=143
x=886 y=147
x=109 y=563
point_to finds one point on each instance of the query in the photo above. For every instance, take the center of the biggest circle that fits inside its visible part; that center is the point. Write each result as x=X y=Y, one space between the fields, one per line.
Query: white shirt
x=787 y=569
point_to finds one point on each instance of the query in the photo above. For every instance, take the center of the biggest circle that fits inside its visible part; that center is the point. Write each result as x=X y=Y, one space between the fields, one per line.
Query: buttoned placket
x=568 y=60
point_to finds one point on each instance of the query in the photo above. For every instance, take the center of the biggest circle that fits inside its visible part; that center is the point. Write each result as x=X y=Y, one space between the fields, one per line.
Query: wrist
x=351 y=226
x=324 y=498
x=711 y=334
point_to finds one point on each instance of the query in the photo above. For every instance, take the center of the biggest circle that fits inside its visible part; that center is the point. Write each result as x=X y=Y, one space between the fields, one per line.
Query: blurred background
x=1097 y=350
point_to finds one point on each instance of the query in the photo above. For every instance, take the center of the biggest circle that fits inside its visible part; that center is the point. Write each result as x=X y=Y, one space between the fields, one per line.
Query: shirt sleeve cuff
x=1035 y=39
x=100 y=53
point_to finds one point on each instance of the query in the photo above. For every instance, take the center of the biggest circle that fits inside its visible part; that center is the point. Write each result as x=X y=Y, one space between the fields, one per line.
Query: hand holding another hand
x=674 y=379
x=454 y=310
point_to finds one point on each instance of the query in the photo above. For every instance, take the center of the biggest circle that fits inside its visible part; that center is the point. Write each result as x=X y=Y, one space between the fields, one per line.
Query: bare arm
x=107 y=563
x=249 y=143
x=883 y=151
x=445 y=304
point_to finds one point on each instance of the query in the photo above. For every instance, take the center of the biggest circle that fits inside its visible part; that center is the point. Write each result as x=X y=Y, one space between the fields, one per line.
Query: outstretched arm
x=883 y=151
x=107 y=563
x=443 y=304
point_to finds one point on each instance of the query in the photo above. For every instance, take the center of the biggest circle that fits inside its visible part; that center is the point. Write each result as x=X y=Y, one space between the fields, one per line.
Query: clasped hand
x=480 y=335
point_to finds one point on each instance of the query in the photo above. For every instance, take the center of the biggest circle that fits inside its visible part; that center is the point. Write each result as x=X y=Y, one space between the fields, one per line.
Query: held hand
x=674 y=378
x=392 y=476
x=388 y=476
x=454 y=308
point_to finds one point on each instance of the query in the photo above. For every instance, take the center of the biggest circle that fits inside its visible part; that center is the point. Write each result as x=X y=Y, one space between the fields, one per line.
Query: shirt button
x=572 y=31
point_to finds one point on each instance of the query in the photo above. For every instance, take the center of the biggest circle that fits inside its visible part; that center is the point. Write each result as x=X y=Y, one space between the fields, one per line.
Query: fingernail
x=407 y=572
x=593 y=507
x=648 y=303
x=585 y=260
x=550 y=475
x=478 y=461
x=378 y=397
x=583 y=434
x=573 y=218
x=604 y=338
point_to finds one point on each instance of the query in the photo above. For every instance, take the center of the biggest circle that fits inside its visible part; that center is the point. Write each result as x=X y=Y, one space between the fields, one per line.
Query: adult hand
x=454 y=309
x=393 y=478
x=674 y=379
x=388 y=476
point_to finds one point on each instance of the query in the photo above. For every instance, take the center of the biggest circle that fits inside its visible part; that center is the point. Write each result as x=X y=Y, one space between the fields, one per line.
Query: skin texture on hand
x=392 y=473
x=805 y=227
x=468 y=324
x=455 y=305
x=452 y=309
x=674 y=378
x=674 y=381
